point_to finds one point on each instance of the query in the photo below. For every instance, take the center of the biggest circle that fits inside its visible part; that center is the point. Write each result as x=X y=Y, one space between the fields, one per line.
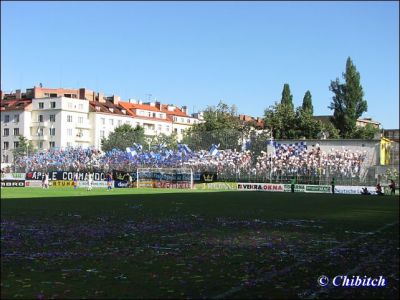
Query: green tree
x=287 y=97
x=307 y=106
x=170 y=141
x=306 y=126
x=366 y=133
x=122 y=137
x=221 y=126
x=348 y=103
x=25 y=148
x=281 y=120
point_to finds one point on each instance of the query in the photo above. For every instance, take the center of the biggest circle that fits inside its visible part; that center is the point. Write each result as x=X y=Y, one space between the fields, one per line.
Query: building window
x=69 y=118
x=40 y=145
x=119 y=122
x=6 y=132
x=167 y=128
x=16 y=118
x=175 y=119
x=52 y=118
x=111 y=121
x=52 y=131
x=188 y=120
x=69 y=144
x=103 y=121
x=16 y=131
x=154 y=115
x=5 y=159
x=182 y=130
x=6 y=118
x=40 y=131
x=46 y=94
x=159 y=127
x=80 y=106
x=102 y=134
x=69 y=131
x=16 y=145
x=52 y=104
x=40 y=118
x=41 y=105
x=5 y=145
x=175 y=130
x=52 y=144
x=70 y=105
x=53 y=95
x=182 y=120
x=80 y=120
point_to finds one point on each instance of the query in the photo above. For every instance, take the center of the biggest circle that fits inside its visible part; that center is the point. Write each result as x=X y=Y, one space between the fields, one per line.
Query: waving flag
x=138 y=146
x=214 y=149
x=131 y=151
x=183 y=148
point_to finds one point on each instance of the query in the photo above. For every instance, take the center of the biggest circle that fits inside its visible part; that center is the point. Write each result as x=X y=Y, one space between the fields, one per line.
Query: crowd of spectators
x=285 y=161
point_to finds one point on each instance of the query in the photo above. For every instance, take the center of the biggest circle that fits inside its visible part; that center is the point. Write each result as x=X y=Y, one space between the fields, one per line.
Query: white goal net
x=172 y=178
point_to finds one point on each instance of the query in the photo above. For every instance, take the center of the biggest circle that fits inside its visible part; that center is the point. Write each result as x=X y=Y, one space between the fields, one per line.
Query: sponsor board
x=34 y=183
x=123 y=175
x=318 y=189
x=171 y=185
x=270 y=187
x=13 y=183
x=121 y=184
x=12 y=176
x=342 y=189
x=298 y=188
x=63 y=183
x=145 y=184
x=217 y=186
x=95 y=184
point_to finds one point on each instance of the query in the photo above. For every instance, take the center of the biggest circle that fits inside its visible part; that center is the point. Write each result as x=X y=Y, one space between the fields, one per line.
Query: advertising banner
x=318 y=189
x=65 y=175
x=95 y=184
x=63 y=183
x=35 y=183
x=12 y=176
x=208 y=177
x=217 y=186
x=341 y=189
x=268 y=187
x=298 y=188
x=171 y=185
x=12 y=183
x=122 y=184
x=145 y=184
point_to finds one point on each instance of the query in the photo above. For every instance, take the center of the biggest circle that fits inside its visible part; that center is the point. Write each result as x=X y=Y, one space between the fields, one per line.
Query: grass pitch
x=128 y=243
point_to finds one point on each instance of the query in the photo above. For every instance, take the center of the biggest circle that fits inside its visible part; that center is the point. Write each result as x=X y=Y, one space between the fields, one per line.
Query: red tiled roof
x=8 y=105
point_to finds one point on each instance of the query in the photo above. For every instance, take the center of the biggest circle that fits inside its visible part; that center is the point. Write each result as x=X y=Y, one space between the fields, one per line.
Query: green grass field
x=128 y=243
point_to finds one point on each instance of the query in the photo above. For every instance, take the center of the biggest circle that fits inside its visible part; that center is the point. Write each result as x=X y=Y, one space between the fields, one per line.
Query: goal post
x=173 y=178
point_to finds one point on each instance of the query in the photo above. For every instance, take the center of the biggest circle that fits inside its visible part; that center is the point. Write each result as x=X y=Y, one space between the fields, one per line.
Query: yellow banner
x=62 y=183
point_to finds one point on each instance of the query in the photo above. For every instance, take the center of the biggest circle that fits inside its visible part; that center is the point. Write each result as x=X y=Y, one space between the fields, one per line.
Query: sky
x=199 y=53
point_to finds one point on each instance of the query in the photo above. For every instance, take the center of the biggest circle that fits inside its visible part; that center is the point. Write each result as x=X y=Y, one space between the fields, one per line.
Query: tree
x=221 y=126
x=366 y=133
x=307 y=106
x=281 y=120
x=25 y=147
x=348 y=103
x=306 y=126
x=170 y=141
x=122 y=137
x=287 y=97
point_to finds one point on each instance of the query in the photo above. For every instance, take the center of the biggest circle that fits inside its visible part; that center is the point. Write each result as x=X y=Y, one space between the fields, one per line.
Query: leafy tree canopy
x=122 y=137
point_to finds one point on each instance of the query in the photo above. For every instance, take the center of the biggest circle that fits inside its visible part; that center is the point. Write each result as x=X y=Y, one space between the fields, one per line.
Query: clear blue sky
x=198 y=53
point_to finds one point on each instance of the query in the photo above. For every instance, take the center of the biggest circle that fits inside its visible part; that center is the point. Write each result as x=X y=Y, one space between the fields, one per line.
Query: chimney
x=82 y=93
x=116 y=99
x=100 y=97
x=18 y=94
x=158 y=105
x=184 y=109
x=1 y=95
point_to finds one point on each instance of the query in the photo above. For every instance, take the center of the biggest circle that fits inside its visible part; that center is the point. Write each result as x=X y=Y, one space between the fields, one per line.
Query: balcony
x=39 y=124
x=40 y=137
x=82 y=125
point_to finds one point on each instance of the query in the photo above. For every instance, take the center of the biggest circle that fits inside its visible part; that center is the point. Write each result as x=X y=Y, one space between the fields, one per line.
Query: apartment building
x=80 y=117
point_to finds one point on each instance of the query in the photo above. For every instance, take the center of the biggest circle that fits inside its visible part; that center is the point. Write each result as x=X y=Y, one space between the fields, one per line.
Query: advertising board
x=217 y=186
x=12 y=176
x=12 y=183
x=267 y=187
x=341 y=189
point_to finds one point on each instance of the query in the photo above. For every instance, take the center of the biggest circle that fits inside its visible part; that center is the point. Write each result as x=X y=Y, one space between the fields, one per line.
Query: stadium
x=211 y=223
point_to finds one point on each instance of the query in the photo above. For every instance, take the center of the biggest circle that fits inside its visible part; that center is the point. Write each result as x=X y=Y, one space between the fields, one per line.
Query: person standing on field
x=292 y=183
x=333 y=185
x=90 y=181
x=75 y=181
x=392 y=187
x=109 y=181
x=46 y=180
